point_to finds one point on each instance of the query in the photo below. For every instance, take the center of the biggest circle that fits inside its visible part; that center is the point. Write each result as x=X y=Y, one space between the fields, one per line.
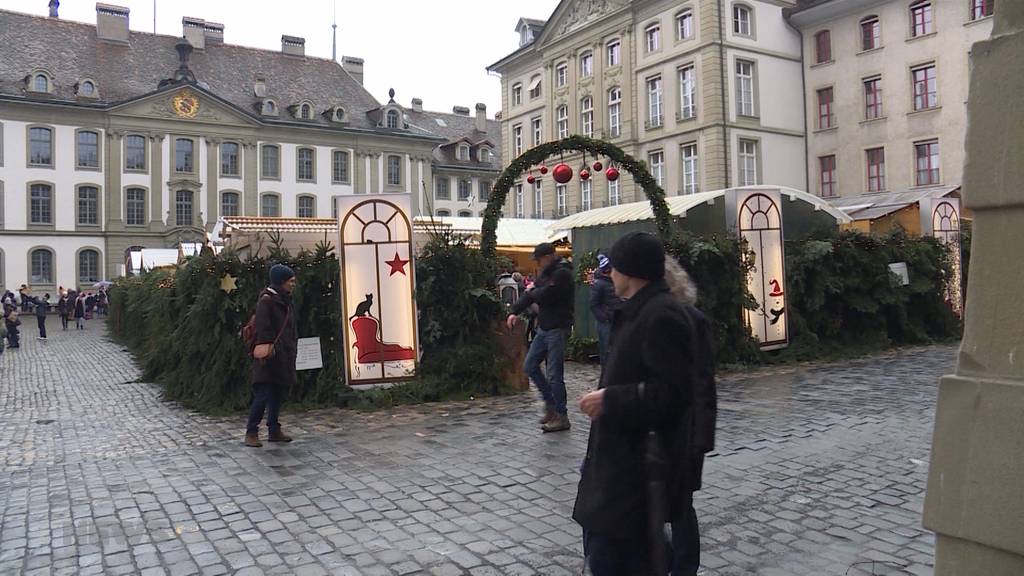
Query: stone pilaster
x=156 y=187
x=250 y=175
x=112 y=185
x=212 y=190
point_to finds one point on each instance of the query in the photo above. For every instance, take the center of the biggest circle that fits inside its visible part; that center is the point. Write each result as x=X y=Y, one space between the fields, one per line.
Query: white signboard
x=378 y=288
x=309 y=357
x=899 y=269
x=759 y=222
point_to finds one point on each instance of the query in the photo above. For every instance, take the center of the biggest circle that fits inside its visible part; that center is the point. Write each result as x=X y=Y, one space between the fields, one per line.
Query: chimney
x=214 y=33
x=460 y=110
x=417 y=105
x=354 y=66
x=293 y=45
x=481 y=117
x=112 y=23
x=193 y=30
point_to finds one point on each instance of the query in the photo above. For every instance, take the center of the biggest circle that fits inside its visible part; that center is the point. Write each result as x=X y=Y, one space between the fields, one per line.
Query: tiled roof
x=70 y=51
x=453 y=127
x=268 y=224
x=877 y=205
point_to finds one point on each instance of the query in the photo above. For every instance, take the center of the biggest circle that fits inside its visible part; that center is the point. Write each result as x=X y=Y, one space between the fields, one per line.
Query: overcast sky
x=436 y=50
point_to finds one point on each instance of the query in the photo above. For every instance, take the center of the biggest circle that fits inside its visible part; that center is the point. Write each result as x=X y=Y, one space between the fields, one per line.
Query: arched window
x=229 y=204
x=306 y=207
x=339 y=114
x=183 y=208
x=465 y=214
x=88 y=266
x=270 y=205
x=392 y=119
x=306 y=112
x=444 y=213
x=40 y=83
x=41 y=266
x=87 y=88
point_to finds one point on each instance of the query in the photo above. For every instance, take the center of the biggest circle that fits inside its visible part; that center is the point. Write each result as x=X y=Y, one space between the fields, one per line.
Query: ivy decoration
x=538 y=154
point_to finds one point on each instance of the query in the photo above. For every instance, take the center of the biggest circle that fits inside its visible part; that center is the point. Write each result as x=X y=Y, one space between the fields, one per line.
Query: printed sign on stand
x=309 y=356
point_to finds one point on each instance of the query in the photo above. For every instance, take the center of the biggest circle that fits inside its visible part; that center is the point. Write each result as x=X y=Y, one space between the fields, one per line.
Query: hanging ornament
x=584 y=174
x=612 y=173
x=562 y=173
x=598 y=166
x=227 y=283
x=531 y=179
x=543 y=169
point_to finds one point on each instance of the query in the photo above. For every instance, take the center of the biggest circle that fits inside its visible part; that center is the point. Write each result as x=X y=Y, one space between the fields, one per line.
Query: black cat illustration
x=364 y=308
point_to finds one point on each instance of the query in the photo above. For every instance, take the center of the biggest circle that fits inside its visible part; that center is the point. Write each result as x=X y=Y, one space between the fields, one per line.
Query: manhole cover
x=44 y=421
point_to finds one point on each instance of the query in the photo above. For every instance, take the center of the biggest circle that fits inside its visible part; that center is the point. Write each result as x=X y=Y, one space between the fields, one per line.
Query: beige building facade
x=886 y=91
x=701 y=90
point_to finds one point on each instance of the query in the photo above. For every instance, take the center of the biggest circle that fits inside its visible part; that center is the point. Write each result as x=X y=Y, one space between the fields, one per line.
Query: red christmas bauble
x=543 y=169
x=584 y=174
x=598 y=166
x=562 y=173
x=530 y=179
x=612 y=174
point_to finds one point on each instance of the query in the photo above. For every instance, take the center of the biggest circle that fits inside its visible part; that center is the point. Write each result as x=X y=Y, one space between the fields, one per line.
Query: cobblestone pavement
x=819 y=468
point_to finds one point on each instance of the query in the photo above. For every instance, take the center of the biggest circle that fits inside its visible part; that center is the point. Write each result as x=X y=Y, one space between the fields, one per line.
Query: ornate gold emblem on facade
x=186 y=105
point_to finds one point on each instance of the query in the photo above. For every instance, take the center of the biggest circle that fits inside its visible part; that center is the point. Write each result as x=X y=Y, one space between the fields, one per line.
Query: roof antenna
x=334 y=34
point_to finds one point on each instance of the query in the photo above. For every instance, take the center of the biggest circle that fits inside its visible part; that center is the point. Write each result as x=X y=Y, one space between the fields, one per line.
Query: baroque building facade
x=112 y=138
x=707 y=92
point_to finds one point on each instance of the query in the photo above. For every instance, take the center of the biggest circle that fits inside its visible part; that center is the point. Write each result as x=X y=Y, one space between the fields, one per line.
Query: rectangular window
x=270 y=205
x=339 y=167
x=517 y=140
x=586 y=64
x=825 y=116
x=561 y=75
x=657 y=163
x=615 y=112
x=441 y=190
x=88 y=266
x=748 y=162
x=41 y=204
x=538 y=200
x=517 y=94
x=183 y=208
x=981 y=8
x=88 y=205
x=876 y=169
x=741 y=20
x=560 y=190
x=538 y=133
x=690 y=175
x=654 y=116
x=925 y=91
x=229 y=204
x=465 y=190
x=135 y=152
x=687 y=92
x=520 y=208
x=926 y=156
x=823 y=47
x=306 y=207
x=827 y=169
x=921 y=22
x=40 y=146
x=485 y=191
x=135 y=207
x=744 y=88
x=684 y=25
x=613 y=53
x=184 y=155
x=42 y=267
x=563 y=121
x=653 y=34
x=270 y=162
x=229 y=159
x=871 y=34
x=586 y=195
x=873 y=98
x=535 y=87
x=304 y=168
x=614 y=197
x=88 y=151
x=587 y=116
x=394 y=171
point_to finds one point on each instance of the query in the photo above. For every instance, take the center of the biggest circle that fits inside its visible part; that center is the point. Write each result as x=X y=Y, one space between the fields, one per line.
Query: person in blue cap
x=274 y=352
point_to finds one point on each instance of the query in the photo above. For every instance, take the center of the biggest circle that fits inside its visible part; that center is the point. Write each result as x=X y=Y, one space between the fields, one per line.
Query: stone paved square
x=820 y=471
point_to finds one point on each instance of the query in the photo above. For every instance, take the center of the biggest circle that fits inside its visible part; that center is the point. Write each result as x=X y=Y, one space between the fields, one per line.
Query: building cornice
x=830 y=10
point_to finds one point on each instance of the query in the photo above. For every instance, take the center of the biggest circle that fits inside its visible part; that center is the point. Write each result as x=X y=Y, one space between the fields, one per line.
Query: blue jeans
x=604 y=333
x=549 y=347
x=265 y=397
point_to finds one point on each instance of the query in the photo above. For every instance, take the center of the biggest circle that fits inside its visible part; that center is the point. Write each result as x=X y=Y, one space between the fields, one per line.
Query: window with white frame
x=485 y=191
x=392 y=119
x=538 y=199
x=744 y=88
x=586 y=64
x=441 y=190
x=586 y=195
x=587 y=116
x=40 y=83
x=535 y=87
x=183 y=201
x=270 y=161
x=687 y=92
x=135 y=152
x=229 y=165
x=562 y=121
x=614 y=196
x=517 y=94
x=690 y=169
x=88 y=149
x=40 y=204
x=742 y=20
x=88 y=266
x=229 y=204
x=339 y=167
x=270 y=205
x=560 y=192
x=484 y=154
x=748 y=162
x=88 y=206
x=462 y=152
x=520 y=208
x=613 y=53
x=41 y=262
x=135 y=206
x=40 y=146
x=306 y=207
x=465 y=190
x=654 y=116
x=184 y=155
x=517 y=140
x=306 y=112
x=615 y=112
x=656 y=160
x=394 y=170
x=684 y=25
x=652 y=34
x=305 y=165
x=538 y=134
x=561 y=75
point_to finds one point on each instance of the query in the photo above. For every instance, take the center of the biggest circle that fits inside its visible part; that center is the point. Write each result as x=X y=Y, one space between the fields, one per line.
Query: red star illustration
x=397 y=265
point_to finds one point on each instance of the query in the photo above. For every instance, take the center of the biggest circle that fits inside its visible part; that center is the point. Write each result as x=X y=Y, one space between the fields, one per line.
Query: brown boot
x=549 y=415
x=559 y=423
x=278 y=436
x=253 y=441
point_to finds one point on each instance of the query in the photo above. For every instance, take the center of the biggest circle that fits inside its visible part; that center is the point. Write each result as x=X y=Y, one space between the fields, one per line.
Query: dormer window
x=392 y=119
x=269 y=108
x=462 y=152
x=484 y=154
x=306 y=112
x=339 y=114
x=39 y=82
x=87 y=88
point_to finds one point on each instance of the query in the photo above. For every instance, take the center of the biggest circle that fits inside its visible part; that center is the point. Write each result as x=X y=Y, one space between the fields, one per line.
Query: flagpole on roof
x=154 y=16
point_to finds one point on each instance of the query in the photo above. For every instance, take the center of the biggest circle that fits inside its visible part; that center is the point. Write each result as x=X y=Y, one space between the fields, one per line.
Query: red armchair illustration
x=371 y=348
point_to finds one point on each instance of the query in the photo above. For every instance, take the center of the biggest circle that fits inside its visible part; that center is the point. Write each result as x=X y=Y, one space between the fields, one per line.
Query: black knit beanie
x=640 y=255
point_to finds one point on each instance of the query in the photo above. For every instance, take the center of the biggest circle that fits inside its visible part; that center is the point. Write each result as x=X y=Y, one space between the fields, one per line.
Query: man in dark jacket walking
x=275 y=325
x=602 y=302
x=42 y=308
x=651 y=407
x=553 y=293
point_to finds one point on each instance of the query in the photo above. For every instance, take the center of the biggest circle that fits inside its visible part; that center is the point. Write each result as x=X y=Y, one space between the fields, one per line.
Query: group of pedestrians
x=70 y=304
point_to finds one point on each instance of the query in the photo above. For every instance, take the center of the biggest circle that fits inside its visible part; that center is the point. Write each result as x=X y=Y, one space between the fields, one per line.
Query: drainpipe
x=725 y=88
x=803 y=88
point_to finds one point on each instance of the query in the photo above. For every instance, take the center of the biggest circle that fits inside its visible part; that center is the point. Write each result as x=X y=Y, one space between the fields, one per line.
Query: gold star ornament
x=227 y=283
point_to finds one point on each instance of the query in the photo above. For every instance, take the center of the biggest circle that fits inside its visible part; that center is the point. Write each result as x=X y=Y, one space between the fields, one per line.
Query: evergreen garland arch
x=537 y=155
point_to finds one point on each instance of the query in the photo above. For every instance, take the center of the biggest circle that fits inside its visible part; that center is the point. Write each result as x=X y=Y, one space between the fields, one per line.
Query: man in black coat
x=275 y=325
x=602 y=303
x=553 y=293
x=654 y=403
